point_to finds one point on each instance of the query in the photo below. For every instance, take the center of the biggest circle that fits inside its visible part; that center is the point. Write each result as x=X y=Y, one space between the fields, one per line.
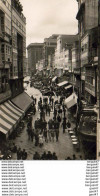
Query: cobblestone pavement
x=63 y=147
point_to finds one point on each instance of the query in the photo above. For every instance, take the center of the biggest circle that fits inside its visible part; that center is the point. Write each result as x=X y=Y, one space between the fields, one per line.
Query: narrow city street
x=63 y=148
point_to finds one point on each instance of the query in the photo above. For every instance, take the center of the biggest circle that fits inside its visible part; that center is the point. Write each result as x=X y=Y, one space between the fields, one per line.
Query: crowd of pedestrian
x=45 y=156
x=21 y=154
x=74 y=157
x=43 y=131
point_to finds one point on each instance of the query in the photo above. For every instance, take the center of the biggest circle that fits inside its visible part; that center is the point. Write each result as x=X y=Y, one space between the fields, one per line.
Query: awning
x=71 y=101
x=62 y=83
x=66 y=69
x=68 y=87
x=53 y=80
x=3 y=131
x=60 y=68
x=10 y=115
x=23 y=101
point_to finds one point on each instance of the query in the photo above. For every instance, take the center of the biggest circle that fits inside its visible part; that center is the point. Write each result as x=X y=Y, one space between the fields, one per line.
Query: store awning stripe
x=5 y=124
x=18 y=109
x=12 y=109
x=54 y=78
x=62 y=83
x=3 y=131
x=8 y=112
x=68 y=87
x=6 y=120
x=7 y=117
x=71 y=101
x=10 y=116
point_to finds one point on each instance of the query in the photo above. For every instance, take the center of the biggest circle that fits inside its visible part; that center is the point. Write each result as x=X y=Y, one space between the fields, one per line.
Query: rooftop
x=34 y=45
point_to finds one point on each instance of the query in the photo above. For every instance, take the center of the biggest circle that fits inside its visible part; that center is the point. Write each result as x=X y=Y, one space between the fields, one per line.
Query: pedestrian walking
x=57 y=134
x=32 y=135
x=24 y=155
x=56 y=129
x=36 y=156
x=35 y=101
x=36 y=139
x=60 y=112
x=48 y=110
x=68 y=124
x=55 y=113
x=45 y=135
x=59 y=118
x=41 y=140
x=49 y=156
x=52 y=135
x=49 y=135
x=64 y=126
x=54 y=156
x=19 y=154
x=29 y=133
x=44 y=156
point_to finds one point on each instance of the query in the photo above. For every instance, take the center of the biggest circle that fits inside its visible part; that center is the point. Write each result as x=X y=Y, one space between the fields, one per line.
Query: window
x=6 y=49
x=2 y=48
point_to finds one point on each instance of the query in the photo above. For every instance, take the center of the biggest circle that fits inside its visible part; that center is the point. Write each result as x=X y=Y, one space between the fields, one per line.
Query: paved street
x=63 y=148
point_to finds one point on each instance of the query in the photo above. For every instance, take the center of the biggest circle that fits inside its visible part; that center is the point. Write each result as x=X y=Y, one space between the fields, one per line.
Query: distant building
x=35 y=54
x=63 y=53
x=26 y=68
x=49 y=48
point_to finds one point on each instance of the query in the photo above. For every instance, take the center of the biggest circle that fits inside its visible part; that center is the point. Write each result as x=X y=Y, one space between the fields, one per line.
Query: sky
x=47 y=17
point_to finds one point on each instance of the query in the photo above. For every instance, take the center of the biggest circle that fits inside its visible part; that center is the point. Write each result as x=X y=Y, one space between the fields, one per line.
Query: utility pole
x=98 y=86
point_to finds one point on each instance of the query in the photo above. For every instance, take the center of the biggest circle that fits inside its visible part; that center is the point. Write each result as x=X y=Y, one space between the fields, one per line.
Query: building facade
x=35 y=54
x=12 y=48
x=49 y=48
x=87 y=17
x=5 y=49
x=63 y=53
x=18 y=48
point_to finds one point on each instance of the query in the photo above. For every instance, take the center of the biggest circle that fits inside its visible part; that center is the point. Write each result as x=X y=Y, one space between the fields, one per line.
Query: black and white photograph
x=49 y=80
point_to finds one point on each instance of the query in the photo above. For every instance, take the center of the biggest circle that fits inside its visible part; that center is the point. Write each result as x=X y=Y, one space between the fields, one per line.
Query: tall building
x=14 y=102
x=87 y=17
x=49 y=48
x=5 y=49
x=18 y=48
x=35 y=54
x=12 y=48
